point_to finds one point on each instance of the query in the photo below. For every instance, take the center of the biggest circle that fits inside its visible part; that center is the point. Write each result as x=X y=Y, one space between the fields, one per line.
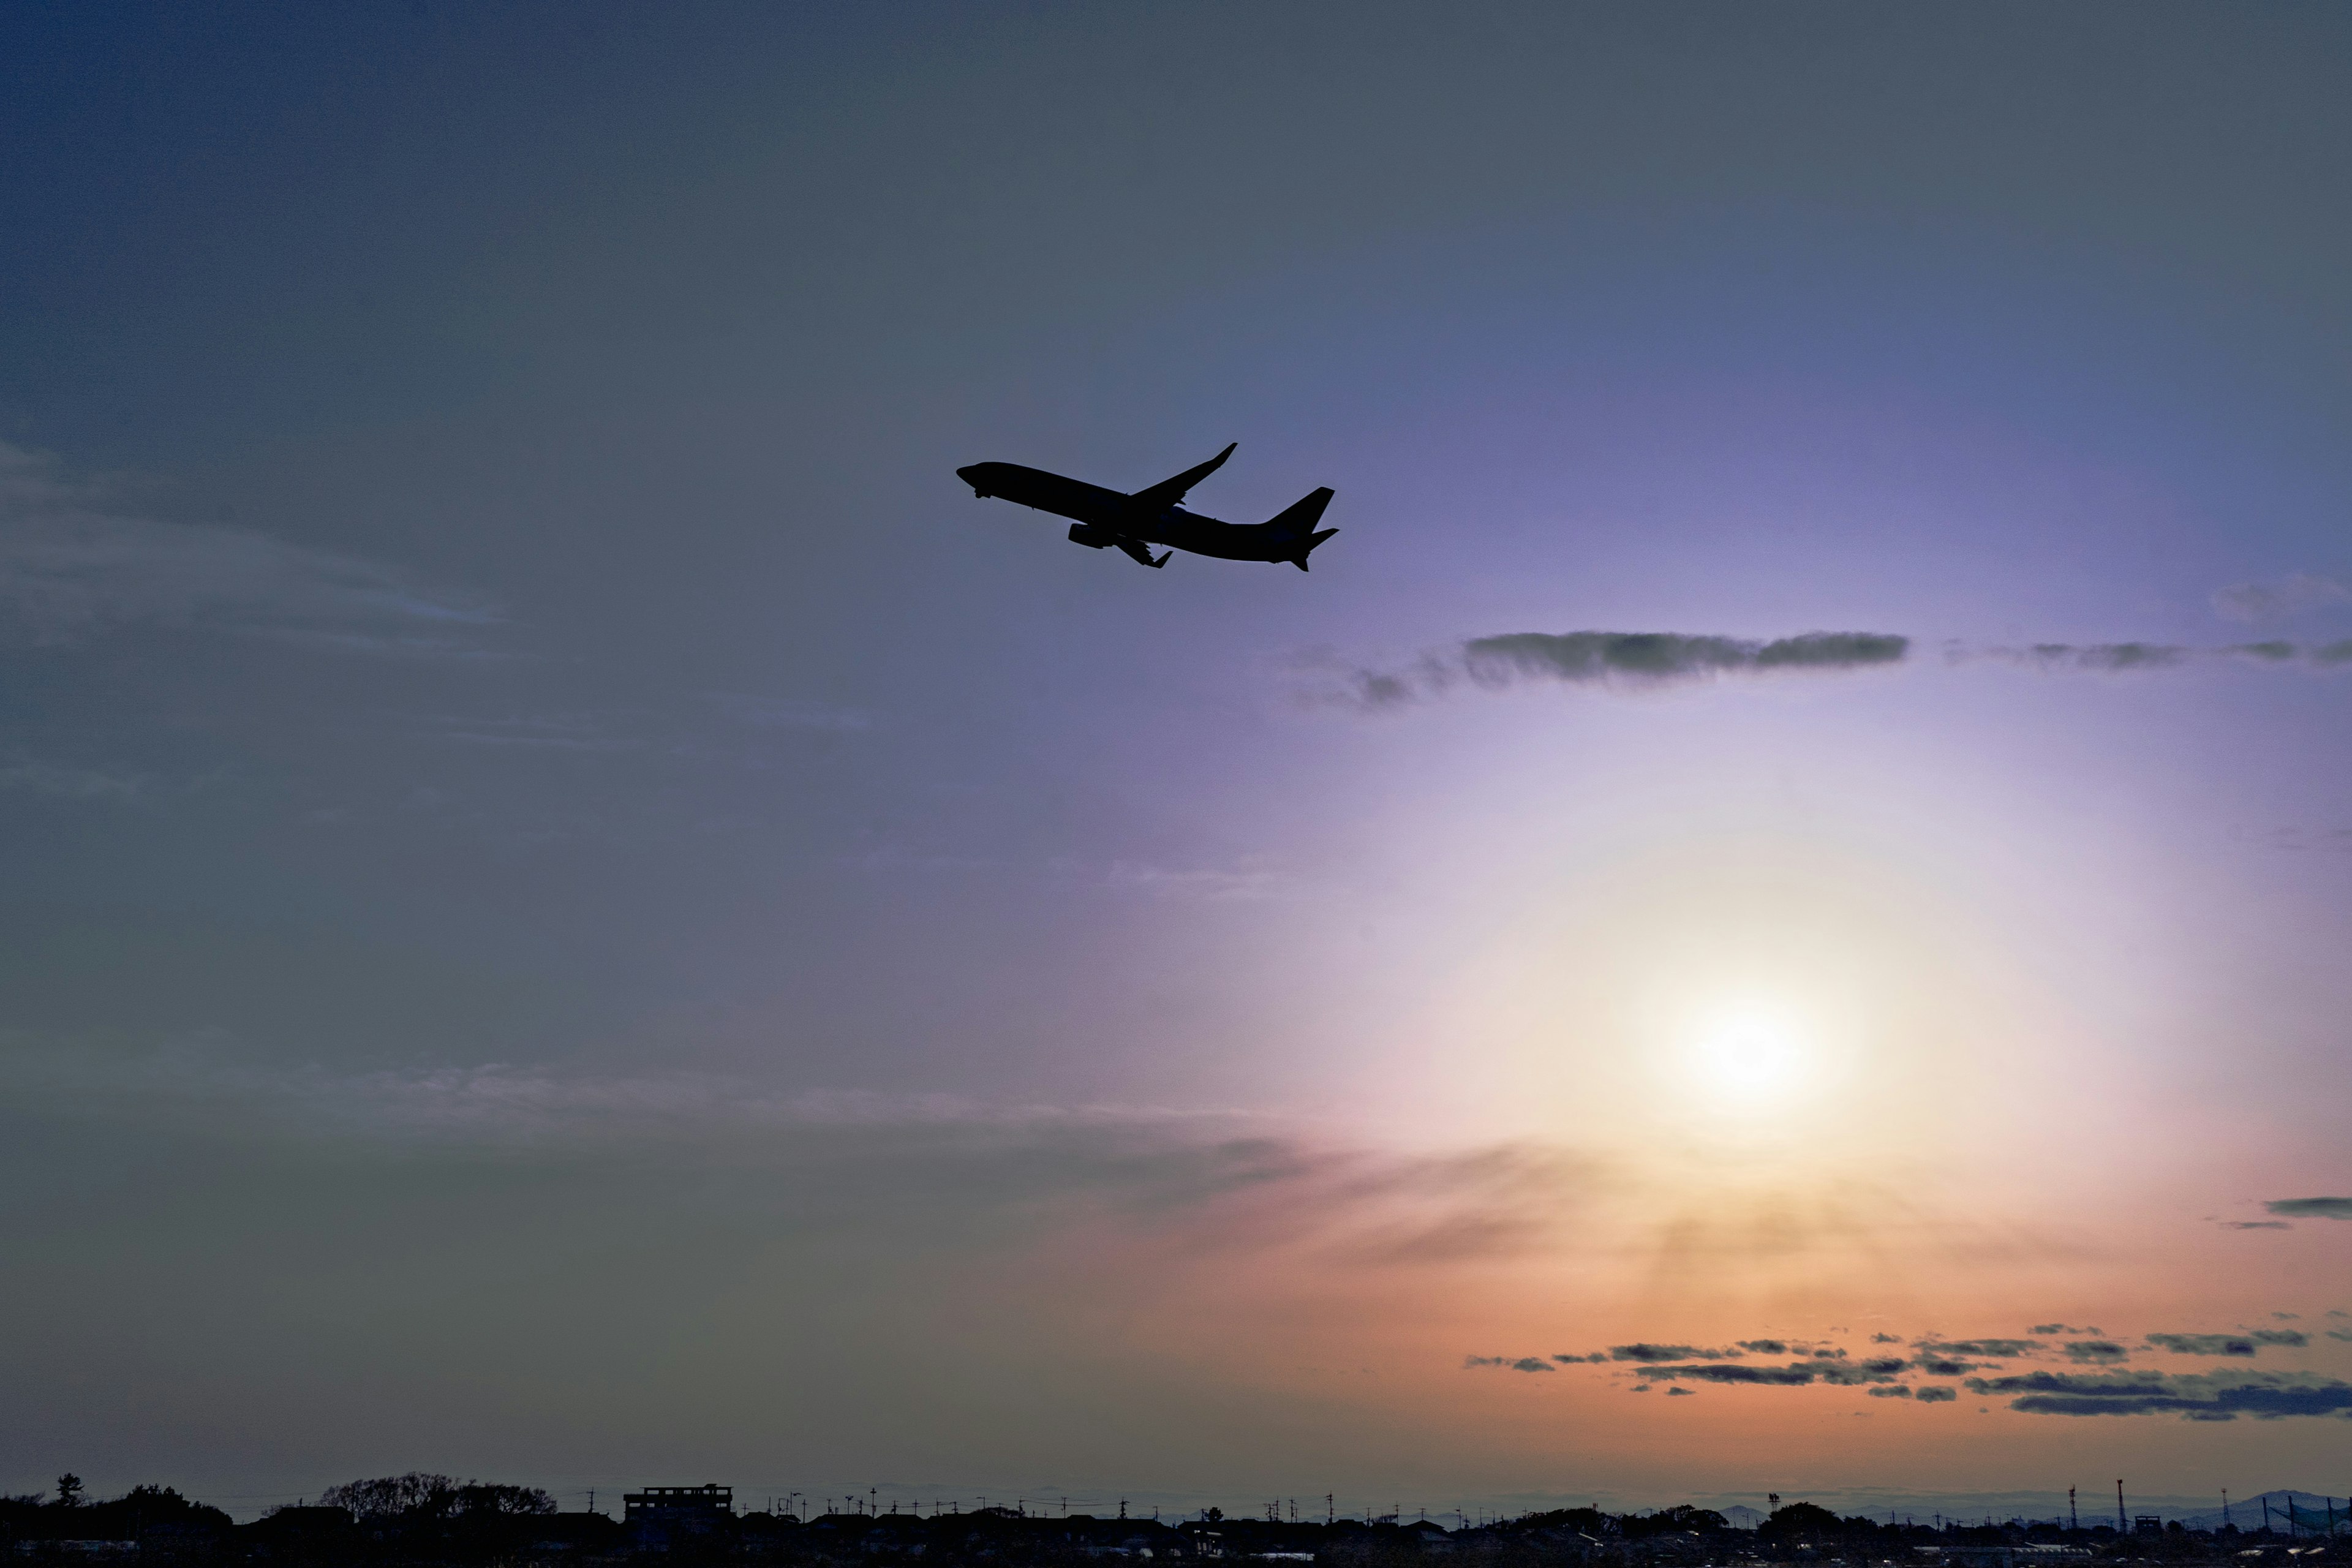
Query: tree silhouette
x=1800 y=1521
x=69 y=1490
x=420 y=1495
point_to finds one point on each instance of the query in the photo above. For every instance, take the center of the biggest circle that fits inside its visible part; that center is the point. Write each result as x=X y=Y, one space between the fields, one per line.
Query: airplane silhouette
x=1152 y=516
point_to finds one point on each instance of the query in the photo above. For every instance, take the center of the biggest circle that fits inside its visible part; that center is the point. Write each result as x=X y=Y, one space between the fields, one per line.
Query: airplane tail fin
x=1295 y=526
x=1301 y=516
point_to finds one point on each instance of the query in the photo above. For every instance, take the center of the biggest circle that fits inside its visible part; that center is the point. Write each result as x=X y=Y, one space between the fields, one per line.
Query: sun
x=1750 y=1057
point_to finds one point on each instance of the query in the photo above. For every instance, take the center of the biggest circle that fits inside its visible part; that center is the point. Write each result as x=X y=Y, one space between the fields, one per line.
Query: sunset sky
x=1774 y=915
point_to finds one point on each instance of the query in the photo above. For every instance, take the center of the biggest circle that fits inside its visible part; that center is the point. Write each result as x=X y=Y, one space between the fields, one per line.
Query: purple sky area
x=577 y=910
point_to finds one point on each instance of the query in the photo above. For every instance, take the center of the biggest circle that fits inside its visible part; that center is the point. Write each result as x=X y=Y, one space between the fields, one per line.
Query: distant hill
x=2311 y=1513
x=1739 y=1516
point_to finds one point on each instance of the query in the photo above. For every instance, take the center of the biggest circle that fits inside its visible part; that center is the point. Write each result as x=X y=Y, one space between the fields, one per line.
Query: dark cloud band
x=1635 y=660
x=1666 y=656
x=2196 y=1395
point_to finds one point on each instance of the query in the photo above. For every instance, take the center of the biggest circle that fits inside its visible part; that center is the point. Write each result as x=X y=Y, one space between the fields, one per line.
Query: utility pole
x=2074 y=1520
x=1330 y=1510
x=2122 y=1527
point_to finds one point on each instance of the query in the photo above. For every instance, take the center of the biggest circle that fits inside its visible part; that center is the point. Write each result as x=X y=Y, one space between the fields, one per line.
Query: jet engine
x=1093 y=538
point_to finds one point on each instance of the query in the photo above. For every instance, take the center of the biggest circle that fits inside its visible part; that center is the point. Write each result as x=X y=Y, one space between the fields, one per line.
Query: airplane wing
x=1139 y=556
x=1167 y=492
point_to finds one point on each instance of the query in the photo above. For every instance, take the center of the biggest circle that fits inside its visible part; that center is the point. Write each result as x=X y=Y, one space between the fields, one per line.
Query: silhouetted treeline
x=420 y=1520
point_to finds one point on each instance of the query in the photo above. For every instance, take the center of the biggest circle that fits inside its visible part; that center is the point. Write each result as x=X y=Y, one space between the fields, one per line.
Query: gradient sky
x=577 y=910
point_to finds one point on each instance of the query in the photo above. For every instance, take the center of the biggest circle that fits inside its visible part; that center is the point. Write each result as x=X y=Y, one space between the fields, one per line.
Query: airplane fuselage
x=1117 y=514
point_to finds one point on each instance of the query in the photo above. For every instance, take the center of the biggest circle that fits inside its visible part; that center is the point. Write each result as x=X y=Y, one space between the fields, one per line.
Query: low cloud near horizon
x=1636 y=659
x=1642 y=661
x=2103 y=1388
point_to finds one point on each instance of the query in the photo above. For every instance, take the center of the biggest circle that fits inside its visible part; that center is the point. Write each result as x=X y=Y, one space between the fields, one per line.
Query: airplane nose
x=970 y=474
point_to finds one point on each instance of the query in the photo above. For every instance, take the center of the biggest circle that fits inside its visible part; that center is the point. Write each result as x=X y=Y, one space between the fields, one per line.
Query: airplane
x=1105 y=519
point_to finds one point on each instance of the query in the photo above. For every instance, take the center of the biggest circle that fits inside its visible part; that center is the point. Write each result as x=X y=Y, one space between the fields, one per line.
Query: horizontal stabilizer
x=1167 y=492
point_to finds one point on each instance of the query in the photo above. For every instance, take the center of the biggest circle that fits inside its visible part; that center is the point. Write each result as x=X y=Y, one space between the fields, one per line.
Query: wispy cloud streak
x=2263 y=603
x=1640 y=661
x=1604 y=658
x=75 y=563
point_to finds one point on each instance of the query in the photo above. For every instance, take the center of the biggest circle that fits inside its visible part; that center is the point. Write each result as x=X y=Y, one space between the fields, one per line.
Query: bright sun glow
x=1750 y=1058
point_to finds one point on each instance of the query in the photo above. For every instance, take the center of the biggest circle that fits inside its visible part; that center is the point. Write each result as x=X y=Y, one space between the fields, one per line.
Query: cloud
x=1678 y=1393
x=1597 y=1356
x=1634 y=659
x=65 y=782
x=1242 y=885
x=1650 y=657
x=1513 y=1363
x=2263 y=603
x=1946 y=1366
x=2062 y=1329
x=2345 y=1334
x=2203 y=1344
x=2198 y=1396
x=2107 y=657
x=2255 y=1225
x=1995 y=1350
x=2131 y=658
x=1637 y=660
x=75 y=563
x=2311 y=1208
x=1877 y=1369
x=1795 y=1375
x=785 y=713
x=2280 y=1336
x=1933 y=1393
x=1765 y=1347
x=1887 y=1339
x=2096 y=1351
x=1203 y=1181
x=1649 y=1352
x=1892 y=1391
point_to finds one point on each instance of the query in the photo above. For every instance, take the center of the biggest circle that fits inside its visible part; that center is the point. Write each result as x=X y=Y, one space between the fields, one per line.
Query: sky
x=1771 y=916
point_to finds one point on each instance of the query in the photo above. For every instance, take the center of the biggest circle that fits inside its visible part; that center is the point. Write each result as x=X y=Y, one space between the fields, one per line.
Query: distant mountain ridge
x=2313 y=1511
x=2287 y=1508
